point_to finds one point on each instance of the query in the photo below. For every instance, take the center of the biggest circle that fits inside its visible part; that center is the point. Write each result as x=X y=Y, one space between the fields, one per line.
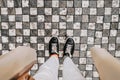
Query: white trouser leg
x=70 y=70
x=49 y=70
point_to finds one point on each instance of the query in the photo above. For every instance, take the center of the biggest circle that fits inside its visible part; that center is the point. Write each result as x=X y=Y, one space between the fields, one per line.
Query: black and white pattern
x=33 y=22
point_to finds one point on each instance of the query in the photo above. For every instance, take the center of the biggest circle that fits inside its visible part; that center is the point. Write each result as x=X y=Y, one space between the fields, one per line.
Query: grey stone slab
x=99 y=26
x=63 y=4
x=19 y=32
x=76 y=52
x=11 y=25
x=3 y=3
x=115 y=11
x=48 y=32
x=75 y=60
x=40 y=11
x=46 y=58
x=107 y=18
x=90 y=33
x=77 y=46
x=94 y=68
x=92 y=19
x=78 y=18
x=5 y=46
x=0 y=52
x=48 y=18
x=62 y=18
x=86 y=11
x=40 y=25
x=4 y=18
x=83 y=40
x=33 y=18
x=95 y=78
x=82 y=67
x=11 y=11
x=61 y=46
x=88 y=74
x=105 y=46
x=118 y=46
x=100 y=11
x=26 y=25
x=112 y=52
x=89 y=46
x=114 y=26
x=89 y=61
x=0 y=18
x=18 y=44
x=76 y=32
x=98 y=41
x=85 y=18
x=18 y=18
x=46 y=46
x=33 y=45
x=118 y=33
x=106 y=33
x=12 y=39
x=70 y=11
x=60 y=73
x=0 y=11
x=77 y=3
x=33 y=32
x=55 y=25
x=0 y=39
x=108 y=3
x=119 y=17
x=48 y=4
x=93 y=4
x=84 y=25
x=83 y=54
x=0 y=27
x=40 y=53
x=17 y=3
x=55 y=11
x=69 y=25
x=0 y=3
x=33 y=3
x=4 y=32
x=62 y=32
x=26 y=10
x=61 y=60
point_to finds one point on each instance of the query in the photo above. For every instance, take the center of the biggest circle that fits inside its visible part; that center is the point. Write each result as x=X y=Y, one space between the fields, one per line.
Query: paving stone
x=100 y=11
x=17 y=3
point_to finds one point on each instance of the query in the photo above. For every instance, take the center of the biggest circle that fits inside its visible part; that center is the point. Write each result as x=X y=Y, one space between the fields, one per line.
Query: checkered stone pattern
x=89 y=22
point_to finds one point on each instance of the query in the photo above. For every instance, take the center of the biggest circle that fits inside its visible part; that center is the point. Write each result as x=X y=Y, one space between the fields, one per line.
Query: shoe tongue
x=68 y=49
x=54 y=48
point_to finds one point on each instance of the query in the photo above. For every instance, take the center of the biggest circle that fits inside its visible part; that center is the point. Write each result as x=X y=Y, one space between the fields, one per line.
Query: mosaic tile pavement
x=33 y=22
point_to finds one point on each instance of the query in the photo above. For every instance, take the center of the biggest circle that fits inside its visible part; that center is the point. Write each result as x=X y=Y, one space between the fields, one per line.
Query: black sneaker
x=53 y=46
x=69 y=47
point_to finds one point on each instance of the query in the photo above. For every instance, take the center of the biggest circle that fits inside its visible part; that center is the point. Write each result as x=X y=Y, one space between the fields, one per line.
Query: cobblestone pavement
x=34 y=22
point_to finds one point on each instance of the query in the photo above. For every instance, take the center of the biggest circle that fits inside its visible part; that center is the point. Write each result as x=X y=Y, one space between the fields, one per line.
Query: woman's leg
x=107 y=66
x=49 y=70
x=70 y=70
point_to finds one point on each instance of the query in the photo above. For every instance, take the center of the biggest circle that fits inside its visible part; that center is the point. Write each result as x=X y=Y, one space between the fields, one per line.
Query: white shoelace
x=68 y=50
x=54 y=48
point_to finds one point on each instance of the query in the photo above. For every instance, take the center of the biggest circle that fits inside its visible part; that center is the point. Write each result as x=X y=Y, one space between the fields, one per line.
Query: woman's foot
x=54 y=46
x=68 y=49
